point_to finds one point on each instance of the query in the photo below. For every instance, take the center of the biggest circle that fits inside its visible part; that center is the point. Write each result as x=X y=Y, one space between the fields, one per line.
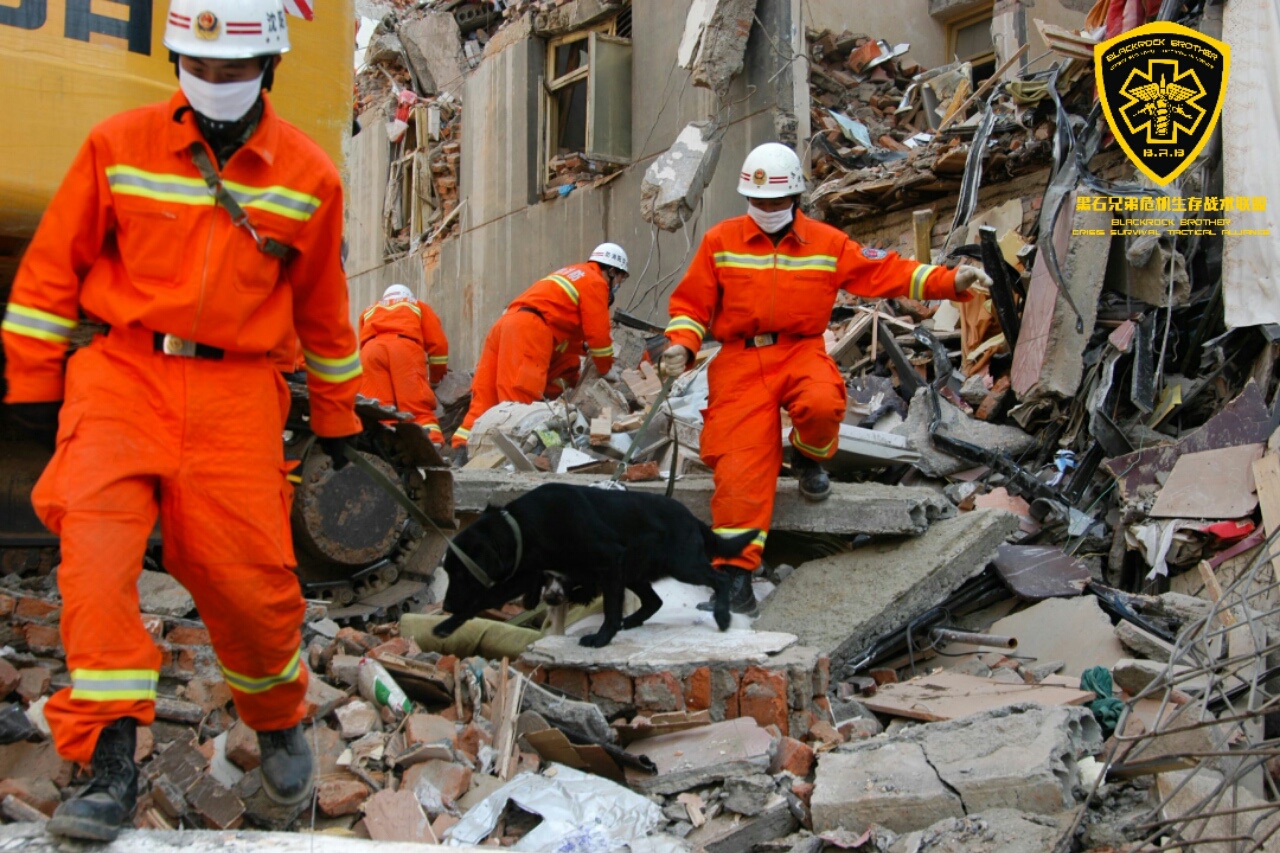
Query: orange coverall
x=394 y=335
x=769 y=307
x=133 y=239
x=571 y=303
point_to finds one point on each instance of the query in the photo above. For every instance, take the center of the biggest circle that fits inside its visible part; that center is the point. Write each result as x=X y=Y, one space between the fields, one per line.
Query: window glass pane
x=570 y=57
x=570 y=133
x=974 y=39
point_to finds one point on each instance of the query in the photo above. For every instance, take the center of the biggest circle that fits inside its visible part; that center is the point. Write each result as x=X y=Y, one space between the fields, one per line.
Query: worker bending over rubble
x=399 y=337
x=763 y=285
x=541 y=326
x=176 y=408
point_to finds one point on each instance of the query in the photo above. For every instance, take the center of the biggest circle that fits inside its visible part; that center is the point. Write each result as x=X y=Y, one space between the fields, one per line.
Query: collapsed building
x=1040 y=609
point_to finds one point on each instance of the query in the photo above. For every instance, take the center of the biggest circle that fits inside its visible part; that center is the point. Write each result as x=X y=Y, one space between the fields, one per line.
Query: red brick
x=184 y=635
x=822 y=677
x=216 y=805
x=184 y=662
x=40 y=794
x=793 y=757
x=242 y=746
x=7 y=605
x=697 y=690
x=33 y=682
x=803 y=790
x=538 y=676
x=823 y=704
x=9 y=678
x=823 y=731
x=472 y=738
x=209 y=693
x=447 y=663
x=36 y=608
x=341 y=796
x=801 y=721
x=451 y=780
x=763 y=697
x=35 y=761
x=355 y=642
x=573 y=682
x=41 y=639
x=884 y=676
x=659 y=692
x=402 y=646
x=612 y=685
x=146 y=744
x=431 y=729
x=153 y=625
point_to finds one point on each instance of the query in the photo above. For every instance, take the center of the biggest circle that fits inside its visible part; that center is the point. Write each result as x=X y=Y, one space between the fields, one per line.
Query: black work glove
x=336 y=449
x=38 y=420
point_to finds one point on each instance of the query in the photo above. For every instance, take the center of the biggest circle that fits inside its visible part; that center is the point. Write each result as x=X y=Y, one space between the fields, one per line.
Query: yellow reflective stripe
x=333 y=369
x=735 y=260
x=823 y=263
x=277 y=199
x=601 y=352
x=249 y=684
x=462 y=433
x=566 y=285
x=34 y=323
x=917 y=280
x=821 y=452
x=727 y=532
x=680 y=321
x=111 y=685
x=438 y=359
x=563 y=346
x=393 y=306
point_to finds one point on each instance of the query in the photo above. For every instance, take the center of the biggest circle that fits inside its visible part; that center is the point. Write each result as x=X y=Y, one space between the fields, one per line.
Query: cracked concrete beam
x=715 y=40
x=674 y=182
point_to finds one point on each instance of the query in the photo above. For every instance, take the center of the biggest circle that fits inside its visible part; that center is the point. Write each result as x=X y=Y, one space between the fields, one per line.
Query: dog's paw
x=596 y=641
x=632 y=621
x=722 y=617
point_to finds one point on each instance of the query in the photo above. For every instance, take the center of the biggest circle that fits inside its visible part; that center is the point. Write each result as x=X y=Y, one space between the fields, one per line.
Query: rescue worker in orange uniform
x=539 y=324
x=399 y=338
x=763 y=285
x=176 y=408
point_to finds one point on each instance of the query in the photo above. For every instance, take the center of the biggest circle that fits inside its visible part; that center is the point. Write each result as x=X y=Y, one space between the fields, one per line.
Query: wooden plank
x=602 y=427
x=948 y=695
x=921 y=225
x=1214 y=590
x=1266 y=478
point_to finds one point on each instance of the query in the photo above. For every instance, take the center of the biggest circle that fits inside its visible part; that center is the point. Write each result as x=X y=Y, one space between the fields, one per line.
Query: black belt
x=766 y=339
x=531 y=310
x=173 y=345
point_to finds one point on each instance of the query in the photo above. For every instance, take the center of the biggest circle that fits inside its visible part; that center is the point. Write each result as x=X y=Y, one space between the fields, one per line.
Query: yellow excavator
x=68 y=64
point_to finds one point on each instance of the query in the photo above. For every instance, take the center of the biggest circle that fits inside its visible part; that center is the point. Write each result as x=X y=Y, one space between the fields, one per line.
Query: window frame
x=986 y=12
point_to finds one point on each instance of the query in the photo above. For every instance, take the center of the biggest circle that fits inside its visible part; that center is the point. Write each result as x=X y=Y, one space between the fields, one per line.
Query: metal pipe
x=951 y=635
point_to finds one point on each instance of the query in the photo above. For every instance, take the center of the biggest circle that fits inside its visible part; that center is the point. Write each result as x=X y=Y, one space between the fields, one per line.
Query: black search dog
x=582 y=542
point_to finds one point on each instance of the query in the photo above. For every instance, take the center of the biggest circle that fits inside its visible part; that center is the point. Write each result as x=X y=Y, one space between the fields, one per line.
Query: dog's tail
x=728 y=546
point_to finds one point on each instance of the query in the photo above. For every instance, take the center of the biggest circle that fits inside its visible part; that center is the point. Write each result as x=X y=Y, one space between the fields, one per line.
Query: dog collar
x=515 y=530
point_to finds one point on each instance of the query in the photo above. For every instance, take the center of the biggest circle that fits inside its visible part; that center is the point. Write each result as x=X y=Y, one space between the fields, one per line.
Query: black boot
x=815 y=485
x=106 y=804
x=741 y=598
x=286 y=765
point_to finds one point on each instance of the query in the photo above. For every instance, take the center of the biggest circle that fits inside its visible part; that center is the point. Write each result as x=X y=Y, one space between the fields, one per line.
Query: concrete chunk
x=697 y=757
x=933 y=461
x=1143 y=642
x=993 y=831
x=719 y=28
x=892 y=785
x=674 y=182
x=433 y=44
x=852 y=508
x=841 y=604
x=1075 y=630
x=160 y=594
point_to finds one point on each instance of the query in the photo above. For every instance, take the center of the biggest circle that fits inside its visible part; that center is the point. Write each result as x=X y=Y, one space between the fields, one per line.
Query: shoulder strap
x=266 y=245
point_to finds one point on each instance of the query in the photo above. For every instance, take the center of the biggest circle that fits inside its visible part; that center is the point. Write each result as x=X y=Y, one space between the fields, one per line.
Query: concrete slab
x=993 y=831
x=697 y=757
x=1075 y=630
x=841 y=604
x=31 y=838
x=891 y=785
x=852 y=508
x=935 y=463
x=433 y=44
x=673 y=183
x=1202 y=796
x=724 y=26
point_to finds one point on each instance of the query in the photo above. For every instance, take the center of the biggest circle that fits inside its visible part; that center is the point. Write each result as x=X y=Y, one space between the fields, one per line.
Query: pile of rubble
x=891 y=134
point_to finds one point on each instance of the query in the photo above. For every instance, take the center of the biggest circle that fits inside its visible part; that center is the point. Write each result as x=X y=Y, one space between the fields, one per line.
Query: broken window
x=969 y=40
x=588 y=103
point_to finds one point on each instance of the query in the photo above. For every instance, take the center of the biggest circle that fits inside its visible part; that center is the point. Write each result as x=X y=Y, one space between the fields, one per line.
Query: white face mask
x=220 y=101
x=770 y=222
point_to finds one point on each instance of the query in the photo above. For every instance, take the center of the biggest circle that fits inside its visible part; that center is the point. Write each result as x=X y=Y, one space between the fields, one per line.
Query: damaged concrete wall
x=888 y=21
x=506 y=242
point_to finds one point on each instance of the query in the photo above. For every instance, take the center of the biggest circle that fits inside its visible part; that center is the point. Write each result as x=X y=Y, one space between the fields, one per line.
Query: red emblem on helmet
x=206 y=25
x=759 y=177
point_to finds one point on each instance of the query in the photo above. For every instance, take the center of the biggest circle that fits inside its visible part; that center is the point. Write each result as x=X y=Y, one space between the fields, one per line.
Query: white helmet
x=611 y=255
x=397 y=291
x=771 y=170
x=226 y=29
